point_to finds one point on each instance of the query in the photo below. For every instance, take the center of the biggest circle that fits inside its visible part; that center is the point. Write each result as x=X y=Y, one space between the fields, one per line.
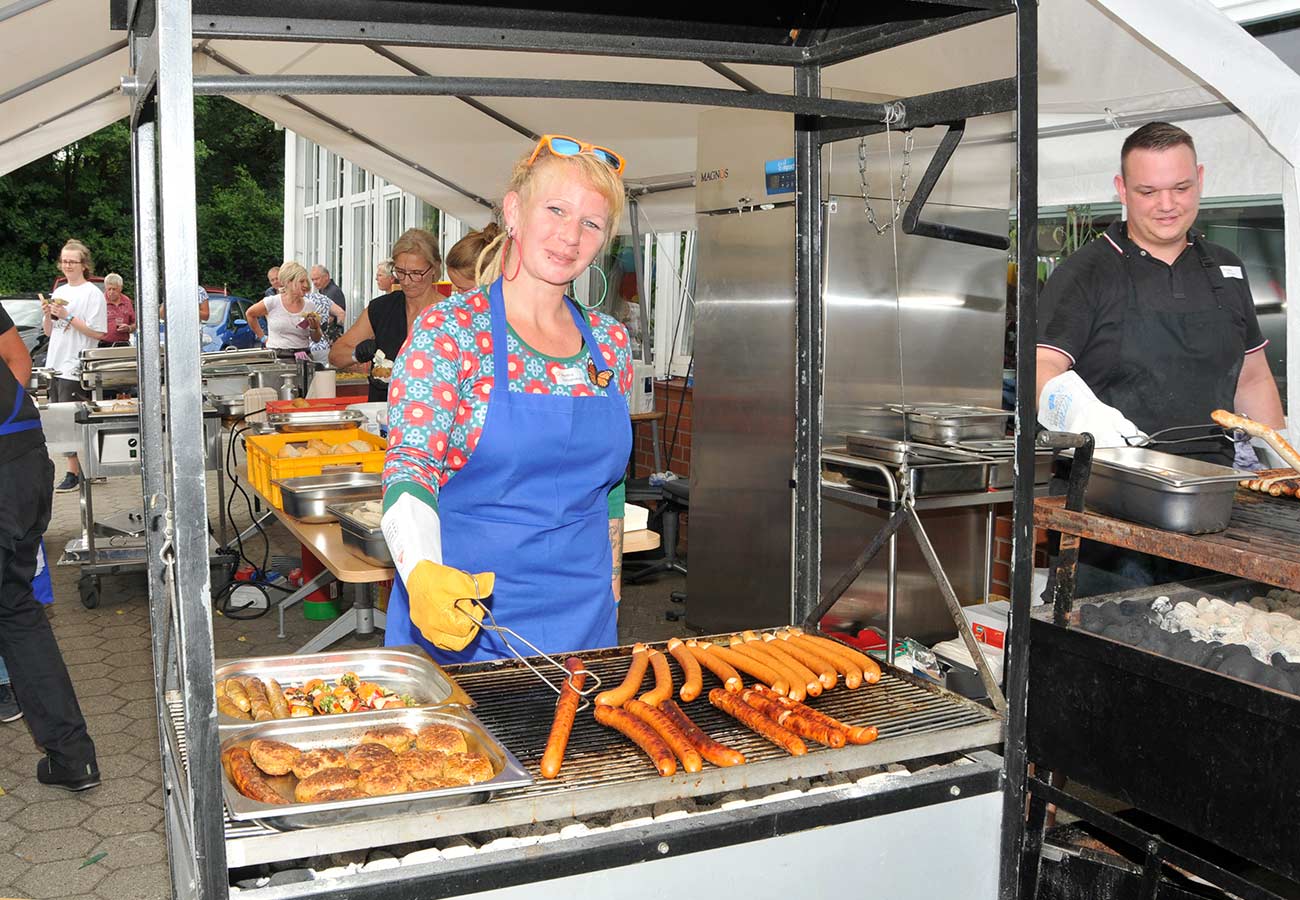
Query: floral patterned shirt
x=443 y=379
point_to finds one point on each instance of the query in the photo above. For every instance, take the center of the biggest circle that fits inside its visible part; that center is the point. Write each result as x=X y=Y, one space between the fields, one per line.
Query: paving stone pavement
x=109 y=842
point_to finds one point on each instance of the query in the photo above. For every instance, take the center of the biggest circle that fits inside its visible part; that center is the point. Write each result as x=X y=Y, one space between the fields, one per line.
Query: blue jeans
x=4 y=672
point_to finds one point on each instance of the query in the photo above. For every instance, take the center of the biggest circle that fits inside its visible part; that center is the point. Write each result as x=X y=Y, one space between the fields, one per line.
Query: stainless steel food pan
x=316 y=419
x=955 y=424
x=406 y=670
x=308 y=497
x=926 y=479
x=366 y=539
x=1162 y=490
x=895 y=452
x=334 y=731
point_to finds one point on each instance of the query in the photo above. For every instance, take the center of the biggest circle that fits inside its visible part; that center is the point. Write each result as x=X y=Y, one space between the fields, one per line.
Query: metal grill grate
x=604 y=772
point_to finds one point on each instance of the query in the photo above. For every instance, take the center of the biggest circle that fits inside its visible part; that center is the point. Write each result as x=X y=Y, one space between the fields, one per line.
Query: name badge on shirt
x=1231 y=271
x=570 y=376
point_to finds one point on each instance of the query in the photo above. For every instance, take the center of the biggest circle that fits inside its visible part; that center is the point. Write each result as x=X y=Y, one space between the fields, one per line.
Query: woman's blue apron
x=532 y=506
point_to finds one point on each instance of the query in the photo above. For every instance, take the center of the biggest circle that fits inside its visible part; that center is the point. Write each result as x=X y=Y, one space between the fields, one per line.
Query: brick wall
x=1002 y=551
x=671 y=397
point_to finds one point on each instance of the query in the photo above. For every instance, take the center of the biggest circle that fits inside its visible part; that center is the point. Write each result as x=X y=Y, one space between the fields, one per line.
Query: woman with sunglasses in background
x=384 y=324
x=509 y=432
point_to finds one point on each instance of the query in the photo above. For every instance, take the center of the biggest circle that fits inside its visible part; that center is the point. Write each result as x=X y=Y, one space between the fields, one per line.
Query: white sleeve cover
x=413 y=532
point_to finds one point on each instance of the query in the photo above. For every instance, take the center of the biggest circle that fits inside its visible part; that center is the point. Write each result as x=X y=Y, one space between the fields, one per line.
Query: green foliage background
x=84 y=192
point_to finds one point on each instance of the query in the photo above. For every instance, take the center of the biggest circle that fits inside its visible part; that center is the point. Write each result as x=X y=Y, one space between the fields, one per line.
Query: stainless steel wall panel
x=743 y=444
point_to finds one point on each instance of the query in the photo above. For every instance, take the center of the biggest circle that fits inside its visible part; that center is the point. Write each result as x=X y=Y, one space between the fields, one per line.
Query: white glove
x=1268 y=457
x=413 y=532
x=1068 y=404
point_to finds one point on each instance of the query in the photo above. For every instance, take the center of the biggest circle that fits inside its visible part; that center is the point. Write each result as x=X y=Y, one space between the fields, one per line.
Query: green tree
x=84 y=191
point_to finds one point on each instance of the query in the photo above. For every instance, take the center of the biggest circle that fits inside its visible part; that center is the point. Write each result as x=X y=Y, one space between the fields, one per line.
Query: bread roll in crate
x=275 y=456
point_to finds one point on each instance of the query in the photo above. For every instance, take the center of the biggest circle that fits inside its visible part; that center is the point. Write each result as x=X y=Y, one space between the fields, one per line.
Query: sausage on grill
x=663 y=688
x=692 y=678
x=631 y=683
x=747 y=664
x=856 y=734
x=565 y=709
x=826 y=673
x=756 y=722
x=870 y=668
x=718 y=754
x=640 y=734
x=805 y=675
x=726 y=672
x=788 y=718
x=672 y=735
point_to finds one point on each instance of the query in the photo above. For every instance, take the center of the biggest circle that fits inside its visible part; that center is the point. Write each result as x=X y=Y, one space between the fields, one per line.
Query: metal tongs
x=503 y=631
x=1232 y=435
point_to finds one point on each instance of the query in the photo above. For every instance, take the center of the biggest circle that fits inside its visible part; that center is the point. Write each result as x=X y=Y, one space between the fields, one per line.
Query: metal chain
x=902 y=183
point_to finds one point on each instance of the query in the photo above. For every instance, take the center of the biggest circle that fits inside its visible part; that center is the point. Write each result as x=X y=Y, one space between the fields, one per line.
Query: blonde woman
x=462 y=258
x=509 y=431
x=383 y=326
x=295 y=317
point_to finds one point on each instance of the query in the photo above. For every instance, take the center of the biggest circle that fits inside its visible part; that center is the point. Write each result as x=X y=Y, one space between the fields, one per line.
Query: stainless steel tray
x=331 y=731
x=358 y=535
x=316 y=419
x=942 y=424
x=926 y=479
x=889 y=450
x=406 y=670
x=308 y=497
x=1162 y=490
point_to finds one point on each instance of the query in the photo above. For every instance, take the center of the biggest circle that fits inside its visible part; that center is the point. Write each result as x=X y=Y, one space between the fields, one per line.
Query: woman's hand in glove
x=434 y=591
x=365 y=351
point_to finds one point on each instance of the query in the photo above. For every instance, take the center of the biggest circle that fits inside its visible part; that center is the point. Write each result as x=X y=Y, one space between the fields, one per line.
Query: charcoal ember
x=1225 y=655
x=1291 y=671
x=1126 y=633
x=1156 y=641
x=1091 y=618
x=1133 y=609
x=1161 y=606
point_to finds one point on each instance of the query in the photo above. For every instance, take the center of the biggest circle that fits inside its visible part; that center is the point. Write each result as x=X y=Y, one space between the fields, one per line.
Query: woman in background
x=384 y=324
x=462 y=258
x=295 y=317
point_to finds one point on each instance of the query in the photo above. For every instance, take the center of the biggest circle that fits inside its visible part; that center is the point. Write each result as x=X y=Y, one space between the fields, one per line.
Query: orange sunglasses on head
x=563 y=145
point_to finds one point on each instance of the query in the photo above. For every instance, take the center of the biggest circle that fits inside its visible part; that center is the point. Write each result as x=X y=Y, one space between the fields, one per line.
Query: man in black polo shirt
x=1151 y=327
x=26 y=641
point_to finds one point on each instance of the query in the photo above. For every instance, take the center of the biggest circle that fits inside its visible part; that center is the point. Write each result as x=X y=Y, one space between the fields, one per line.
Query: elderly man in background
x=273 y=279
x=324 y=284
x=384 y=279
x=121 y=313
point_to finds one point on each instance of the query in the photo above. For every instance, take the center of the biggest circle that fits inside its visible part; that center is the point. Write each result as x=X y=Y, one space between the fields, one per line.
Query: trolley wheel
x=88 y=587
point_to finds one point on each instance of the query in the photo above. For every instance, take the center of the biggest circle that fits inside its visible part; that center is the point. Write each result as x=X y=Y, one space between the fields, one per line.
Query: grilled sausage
x=870 y=669
x=640 y=734
x=855 y=734
x=227 y=708
x=1259 y=430
x=726 y=673
x=682 y=748
x=842 y=664
x=750 y=666
x=826 y=673
x=565 y=709
x=261 y=706
x=631 y=683
x=238 y=696
x=248 y=778
x=707 y=747
x=663 y=688
x=279 y=703
x=794 y=685
x=692 y=678
x=810 y=680
x=788 y=718
x=756 y=722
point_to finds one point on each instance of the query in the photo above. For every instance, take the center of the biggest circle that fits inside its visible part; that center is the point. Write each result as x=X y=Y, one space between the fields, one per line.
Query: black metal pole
x=809 y=351
x=1022 y=533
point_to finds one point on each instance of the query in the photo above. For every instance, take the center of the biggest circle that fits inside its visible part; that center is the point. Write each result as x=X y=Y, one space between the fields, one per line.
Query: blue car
x=225 y=328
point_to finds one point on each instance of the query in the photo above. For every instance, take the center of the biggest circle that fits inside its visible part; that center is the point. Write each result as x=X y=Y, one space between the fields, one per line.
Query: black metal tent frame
x=805 y=38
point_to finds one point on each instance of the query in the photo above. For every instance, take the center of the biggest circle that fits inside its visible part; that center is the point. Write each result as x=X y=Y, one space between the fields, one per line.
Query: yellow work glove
x=434 y=590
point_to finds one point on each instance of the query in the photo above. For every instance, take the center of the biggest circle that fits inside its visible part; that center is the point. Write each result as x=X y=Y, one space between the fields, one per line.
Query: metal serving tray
x=1162 y=490
x=926 y=479
x=895 y=452
x=359 y=536
x=332 y=731
x=316 y=419
x=307 y=497
x=943 y=424
x=406 y=670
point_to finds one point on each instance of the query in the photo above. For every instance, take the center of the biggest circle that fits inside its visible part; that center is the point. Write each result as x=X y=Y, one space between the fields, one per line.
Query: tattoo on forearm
x=616 y=554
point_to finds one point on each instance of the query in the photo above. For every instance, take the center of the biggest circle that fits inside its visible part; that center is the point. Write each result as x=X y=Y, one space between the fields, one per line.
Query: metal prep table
x=111 y=447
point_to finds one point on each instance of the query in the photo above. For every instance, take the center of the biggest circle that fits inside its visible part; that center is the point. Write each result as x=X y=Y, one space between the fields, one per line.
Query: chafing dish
x=335 y=731
x=947 y=424
x=405 y=670
x=316 y=419
x=361 y=530
x=307 y=497
x=1162 y=490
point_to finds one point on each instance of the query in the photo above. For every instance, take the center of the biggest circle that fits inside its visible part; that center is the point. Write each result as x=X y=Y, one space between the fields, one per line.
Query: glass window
x=309 y=173
x=360 y=268
x=393 y=215
x=329 y=175
x=358 y=179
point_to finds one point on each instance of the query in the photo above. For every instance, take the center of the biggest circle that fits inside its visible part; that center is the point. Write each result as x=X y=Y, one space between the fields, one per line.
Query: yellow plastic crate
x=265 y=465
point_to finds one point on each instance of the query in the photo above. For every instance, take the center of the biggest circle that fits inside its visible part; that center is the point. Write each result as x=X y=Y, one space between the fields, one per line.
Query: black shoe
x=10 y=711
x=85 y=777
x=70 y=482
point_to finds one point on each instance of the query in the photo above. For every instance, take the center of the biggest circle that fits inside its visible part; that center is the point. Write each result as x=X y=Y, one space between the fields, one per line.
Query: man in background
x=273 y=279
x=324 y=284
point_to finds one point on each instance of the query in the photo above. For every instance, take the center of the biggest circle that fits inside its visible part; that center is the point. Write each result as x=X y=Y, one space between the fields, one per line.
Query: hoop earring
x=505 y=256
x=603 y=291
